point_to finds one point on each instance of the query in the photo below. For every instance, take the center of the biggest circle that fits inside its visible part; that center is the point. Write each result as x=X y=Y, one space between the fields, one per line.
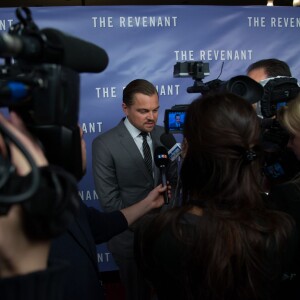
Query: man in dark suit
x=122 y=176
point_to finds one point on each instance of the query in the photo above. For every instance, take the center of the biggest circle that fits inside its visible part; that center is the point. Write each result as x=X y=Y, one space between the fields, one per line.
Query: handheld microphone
x=168 y=140
x=161 y=161
x=175 y=152
x=174 y=149
x=53 y=46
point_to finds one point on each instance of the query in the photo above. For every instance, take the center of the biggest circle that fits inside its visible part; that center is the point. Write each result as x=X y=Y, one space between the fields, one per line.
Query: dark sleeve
x=105 y=225
x=276 y=197
x=286 y=197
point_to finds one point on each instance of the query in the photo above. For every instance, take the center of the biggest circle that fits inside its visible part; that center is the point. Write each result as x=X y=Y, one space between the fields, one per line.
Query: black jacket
x=286 y=197
x=78 y=247
x=40 y=285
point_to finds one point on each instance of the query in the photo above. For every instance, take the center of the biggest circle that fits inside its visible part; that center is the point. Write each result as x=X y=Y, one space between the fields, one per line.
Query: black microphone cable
x=9 y=170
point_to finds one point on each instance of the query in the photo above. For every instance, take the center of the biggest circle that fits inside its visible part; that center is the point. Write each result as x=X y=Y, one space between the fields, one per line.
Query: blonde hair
x=289 y=116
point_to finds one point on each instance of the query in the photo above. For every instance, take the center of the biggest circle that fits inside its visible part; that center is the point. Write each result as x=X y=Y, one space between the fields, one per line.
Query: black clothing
x=171 y=265
x=286 y=197
x=77 y=247
x=41 y=285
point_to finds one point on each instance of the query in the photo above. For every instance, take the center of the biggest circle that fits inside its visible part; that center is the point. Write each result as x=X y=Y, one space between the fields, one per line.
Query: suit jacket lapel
x=155 y=142
x=130 y=147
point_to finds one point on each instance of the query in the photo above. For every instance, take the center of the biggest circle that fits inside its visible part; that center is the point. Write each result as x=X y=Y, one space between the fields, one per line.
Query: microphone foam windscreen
x=79 y=55
x=168 y=140
x=246 y=88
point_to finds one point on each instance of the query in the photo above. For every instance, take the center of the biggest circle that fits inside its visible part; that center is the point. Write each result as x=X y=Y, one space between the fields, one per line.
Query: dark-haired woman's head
x=221 y=163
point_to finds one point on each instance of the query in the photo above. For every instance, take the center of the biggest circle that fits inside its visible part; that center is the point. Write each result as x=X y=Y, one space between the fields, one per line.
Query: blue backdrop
x=146 y=42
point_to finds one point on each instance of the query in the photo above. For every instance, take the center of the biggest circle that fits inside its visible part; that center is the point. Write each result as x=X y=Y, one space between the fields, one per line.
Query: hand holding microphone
x=161 y=160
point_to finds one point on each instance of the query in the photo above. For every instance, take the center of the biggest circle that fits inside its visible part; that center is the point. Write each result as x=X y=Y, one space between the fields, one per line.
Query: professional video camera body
x=40 y=80
x=241 y=85
x=269 y=95
x=281 y=163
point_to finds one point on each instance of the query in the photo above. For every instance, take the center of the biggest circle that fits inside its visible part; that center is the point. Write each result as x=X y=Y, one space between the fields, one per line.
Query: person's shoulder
x=109 y=134
x=157 y=132
x=159 y=129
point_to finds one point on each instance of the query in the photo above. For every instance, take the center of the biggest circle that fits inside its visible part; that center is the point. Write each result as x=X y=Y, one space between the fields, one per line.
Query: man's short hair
x=272 y=66
x=137 y=86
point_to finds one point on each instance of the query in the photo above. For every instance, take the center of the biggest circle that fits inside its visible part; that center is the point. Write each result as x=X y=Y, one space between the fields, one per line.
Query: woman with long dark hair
x=222 y=243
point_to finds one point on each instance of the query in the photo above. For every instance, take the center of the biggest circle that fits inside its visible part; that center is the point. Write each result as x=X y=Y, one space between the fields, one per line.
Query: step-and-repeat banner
x=147 y=41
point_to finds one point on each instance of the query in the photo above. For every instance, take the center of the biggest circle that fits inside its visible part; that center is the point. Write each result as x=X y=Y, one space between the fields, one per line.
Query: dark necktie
x=147 y=152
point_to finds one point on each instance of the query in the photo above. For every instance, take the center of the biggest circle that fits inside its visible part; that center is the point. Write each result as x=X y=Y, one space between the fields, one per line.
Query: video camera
x=198 y=70
x=40 y=81
x=240 y=85
x=174 y=118
x=278 y=91
x=269 y=95
x=281 y=163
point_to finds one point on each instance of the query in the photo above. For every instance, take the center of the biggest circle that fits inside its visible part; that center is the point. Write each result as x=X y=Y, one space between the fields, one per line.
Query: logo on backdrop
x=114 y=92
x=5 y=24
x=275 y=22
x=134 y=21
x=213 y=54
x=87 y=195
x=104 y=257
x=92 y=127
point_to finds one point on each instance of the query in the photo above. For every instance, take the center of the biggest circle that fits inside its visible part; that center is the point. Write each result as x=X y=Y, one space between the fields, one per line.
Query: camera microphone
x=53 y=46
x=161 y=160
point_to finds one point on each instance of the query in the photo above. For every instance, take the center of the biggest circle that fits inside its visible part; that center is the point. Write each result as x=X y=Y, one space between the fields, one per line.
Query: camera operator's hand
x=16 y=126
x=20 y=255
